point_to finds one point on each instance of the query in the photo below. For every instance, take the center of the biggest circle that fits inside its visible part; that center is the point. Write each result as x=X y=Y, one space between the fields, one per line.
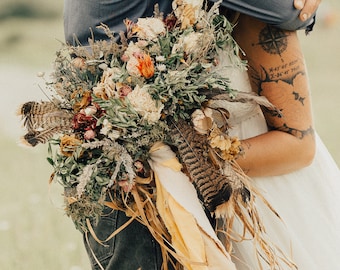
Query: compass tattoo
x=273 y=40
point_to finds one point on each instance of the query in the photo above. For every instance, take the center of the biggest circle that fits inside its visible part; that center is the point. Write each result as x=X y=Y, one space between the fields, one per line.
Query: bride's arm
x=277 y=70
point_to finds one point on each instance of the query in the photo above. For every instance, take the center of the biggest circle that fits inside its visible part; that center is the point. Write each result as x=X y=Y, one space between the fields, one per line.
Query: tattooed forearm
x=300 y=134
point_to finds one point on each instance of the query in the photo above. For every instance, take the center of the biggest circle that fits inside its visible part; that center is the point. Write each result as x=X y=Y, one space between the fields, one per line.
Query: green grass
x=30 y=42
x=34 y=232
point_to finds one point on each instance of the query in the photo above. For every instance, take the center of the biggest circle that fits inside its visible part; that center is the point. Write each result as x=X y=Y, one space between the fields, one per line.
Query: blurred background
x=34 y=232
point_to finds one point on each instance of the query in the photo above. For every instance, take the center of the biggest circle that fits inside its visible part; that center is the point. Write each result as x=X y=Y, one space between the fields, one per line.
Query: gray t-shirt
x=82 y=15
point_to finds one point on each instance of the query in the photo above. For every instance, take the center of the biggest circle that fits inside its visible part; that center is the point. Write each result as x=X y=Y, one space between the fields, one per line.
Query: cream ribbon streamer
x=192 y=236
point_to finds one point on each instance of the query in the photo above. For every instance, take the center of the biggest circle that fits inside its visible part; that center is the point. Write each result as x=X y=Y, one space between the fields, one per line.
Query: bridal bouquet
x=112 y=101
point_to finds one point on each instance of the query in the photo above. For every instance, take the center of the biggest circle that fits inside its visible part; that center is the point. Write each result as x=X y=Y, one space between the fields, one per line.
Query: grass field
x=34 y=233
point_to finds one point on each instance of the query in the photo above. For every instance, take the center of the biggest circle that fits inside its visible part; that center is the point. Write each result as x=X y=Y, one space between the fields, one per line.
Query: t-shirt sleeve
x=280 y=13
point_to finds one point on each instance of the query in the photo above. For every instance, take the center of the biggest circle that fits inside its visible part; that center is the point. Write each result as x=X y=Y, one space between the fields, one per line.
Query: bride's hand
x=307 y=7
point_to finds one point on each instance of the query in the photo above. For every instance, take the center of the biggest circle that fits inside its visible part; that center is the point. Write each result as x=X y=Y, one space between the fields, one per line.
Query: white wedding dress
x=307 y=200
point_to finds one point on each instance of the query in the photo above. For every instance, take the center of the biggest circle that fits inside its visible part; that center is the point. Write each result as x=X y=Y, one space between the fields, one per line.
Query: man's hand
x=307 y=7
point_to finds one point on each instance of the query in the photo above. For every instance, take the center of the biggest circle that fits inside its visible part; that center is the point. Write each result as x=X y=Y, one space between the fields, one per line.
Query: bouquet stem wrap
x=192 y=236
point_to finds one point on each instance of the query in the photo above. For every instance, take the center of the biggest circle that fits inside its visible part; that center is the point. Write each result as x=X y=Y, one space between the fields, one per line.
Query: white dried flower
x=107 y=126
x=160 y=58
x=132 y=66
x=143 y=103
x=187 y=11
x=131 y=54
x=161 y=67
x=142 y=43
x=90 y=110
x=192 y=43
x=150 y=28
x=103 y=66
x=108 y=131
x=202 y=120
x=106 y=88
x=114 y=134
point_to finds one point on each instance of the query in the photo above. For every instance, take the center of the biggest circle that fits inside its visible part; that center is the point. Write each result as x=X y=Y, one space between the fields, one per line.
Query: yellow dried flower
x=68 y=144
x=187 y=12
x=227 y=147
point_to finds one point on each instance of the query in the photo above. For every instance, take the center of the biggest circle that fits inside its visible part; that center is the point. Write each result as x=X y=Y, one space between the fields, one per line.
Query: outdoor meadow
x=34 y=232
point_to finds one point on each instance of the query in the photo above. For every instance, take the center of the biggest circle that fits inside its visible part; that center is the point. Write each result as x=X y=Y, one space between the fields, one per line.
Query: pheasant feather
x=43 y=120
x=213 y=186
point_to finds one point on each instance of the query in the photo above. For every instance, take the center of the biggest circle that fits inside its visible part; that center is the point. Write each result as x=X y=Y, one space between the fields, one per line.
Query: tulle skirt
x=308 y=202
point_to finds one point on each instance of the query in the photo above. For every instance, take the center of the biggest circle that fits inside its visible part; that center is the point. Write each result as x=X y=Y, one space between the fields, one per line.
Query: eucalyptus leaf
x=50 y=160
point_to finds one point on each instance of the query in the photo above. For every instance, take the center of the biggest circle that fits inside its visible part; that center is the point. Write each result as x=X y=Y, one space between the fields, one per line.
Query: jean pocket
x=102 y=252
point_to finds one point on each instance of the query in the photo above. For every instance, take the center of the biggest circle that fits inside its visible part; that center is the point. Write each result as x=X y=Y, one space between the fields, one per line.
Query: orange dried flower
x=84 y=102
x=145 y=66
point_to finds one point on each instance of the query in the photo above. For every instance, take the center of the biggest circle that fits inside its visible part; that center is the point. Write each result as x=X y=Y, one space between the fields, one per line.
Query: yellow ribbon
x=195 y=243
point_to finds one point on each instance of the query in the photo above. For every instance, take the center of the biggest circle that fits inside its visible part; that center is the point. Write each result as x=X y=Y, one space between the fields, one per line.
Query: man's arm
x=307 y=8
x=285 y=14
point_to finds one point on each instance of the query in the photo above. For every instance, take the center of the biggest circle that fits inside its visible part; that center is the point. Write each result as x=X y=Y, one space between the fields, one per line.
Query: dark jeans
x=131 y=249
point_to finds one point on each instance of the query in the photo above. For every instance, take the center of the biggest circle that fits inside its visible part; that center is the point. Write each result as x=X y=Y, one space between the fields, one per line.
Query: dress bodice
x=239 y=80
